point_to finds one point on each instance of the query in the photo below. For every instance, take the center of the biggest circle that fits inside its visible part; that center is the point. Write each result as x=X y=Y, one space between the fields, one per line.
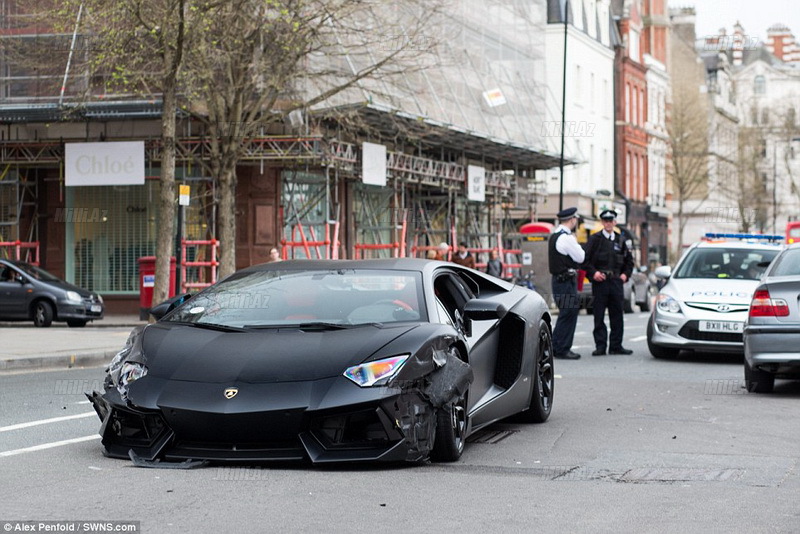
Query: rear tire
x=627 y=305
x=42 y=314
x=543 y=379
x=663 y=353
x=758 y=381
x=645 y=305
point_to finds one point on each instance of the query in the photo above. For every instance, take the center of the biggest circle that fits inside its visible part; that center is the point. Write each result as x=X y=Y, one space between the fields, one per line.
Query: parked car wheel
x=758 y=381
x=543 y=380
x=630 y=302
x=451 y=431
x=645 y=304
x=656 y=350
x=42 y=313
x=76 y=323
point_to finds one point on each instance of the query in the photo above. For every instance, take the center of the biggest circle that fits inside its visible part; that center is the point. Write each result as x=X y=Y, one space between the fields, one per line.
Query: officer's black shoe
x=568 y=356
x=620 y=350
x=598 y=352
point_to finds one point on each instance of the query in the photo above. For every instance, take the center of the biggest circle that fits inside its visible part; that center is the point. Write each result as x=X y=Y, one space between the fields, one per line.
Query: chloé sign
x=104 y=163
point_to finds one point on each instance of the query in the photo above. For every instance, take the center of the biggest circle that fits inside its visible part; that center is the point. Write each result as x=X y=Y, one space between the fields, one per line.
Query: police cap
x=567 y=213
x=608 y=214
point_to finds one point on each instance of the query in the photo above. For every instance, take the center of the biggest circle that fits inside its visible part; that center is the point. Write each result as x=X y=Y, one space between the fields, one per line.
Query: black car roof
x=402 y=264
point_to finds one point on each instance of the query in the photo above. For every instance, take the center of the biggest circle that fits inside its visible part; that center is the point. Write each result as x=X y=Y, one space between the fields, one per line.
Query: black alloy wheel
x=543 y=379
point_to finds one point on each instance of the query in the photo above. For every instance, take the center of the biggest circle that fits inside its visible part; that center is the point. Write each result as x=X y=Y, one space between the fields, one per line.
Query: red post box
x=147 y=281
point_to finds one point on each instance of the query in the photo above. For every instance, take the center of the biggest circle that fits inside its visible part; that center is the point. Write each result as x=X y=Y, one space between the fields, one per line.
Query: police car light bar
x=763 y=237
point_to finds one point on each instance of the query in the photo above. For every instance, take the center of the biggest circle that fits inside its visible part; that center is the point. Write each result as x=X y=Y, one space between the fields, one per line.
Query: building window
x=627 y=102
x=760 y=86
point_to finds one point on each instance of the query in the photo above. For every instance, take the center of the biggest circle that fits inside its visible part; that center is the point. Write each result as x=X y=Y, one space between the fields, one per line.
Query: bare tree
x=257 y=61
x=688 y=142
x=135 y=47
x=750 y=193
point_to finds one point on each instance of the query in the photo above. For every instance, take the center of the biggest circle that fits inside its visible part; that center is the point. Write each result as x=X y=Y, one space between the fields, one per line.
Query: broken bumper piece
x=396 y=426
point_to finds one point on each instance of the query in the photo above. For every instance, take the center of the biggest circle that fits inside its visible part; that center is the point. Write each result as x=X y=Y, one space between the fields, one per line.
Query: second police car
x=704 y=304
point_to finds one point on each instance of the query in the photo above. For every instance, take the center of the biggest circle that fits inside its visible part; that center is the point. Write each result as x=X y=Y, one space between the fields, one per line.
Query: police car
x=704 y=304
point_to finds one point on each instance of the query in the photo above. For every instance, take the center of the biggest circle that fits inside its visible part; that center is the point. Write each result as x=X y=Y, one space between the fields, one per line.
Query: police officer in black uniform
x=609 y=264
x=564 y=256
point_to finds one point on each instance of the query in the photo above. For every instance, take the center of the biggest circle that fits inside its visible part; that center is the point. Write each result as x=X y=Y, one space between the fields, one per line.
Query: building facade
x=632 y=166
x=655 y=44
x=588 y=106
x=461 y=143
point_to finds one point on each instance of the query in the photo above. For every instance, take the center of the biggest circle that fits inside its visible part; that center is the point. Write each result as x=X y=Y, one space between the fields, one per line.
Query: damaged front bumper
x=329 y=420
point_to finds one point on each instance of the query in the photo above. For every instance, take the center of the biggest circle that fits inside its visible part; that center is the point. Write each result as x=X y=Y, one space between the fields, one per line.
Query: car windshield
x=717 y=262
x=787 y=264
x=319 y=298
x=36 y=272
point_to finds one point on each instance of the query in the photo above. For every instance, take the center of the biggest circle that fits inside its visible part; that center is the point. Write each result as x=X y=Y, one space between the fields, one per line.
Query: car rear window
x=721 y=262
x=787 y=264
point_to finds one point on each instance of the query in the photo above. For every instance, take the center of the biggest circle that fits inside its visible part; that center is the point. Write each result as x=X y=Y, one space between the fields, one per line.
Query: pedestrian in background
x=444 y=249
x=494 y=266
x=274 y=255
x=609 y=264
x=463 y=256
x=564 y=256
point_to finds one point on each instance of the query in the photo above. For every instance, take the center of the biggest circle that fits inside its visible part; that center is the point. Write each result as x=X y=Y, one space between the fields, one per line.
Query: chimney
x=683 y=21
x=781 y=43
x=738 y=44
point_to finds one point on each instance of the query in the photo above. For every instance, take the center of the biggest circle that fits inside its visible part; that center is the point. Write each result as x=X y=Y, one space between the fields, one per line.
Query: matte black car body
x=28 y=293
x=279 y=393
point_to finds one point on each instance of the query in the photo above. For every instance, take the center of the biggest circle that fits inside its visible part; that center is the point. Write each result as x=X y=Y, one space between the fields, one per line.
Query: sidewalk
x=23 y=346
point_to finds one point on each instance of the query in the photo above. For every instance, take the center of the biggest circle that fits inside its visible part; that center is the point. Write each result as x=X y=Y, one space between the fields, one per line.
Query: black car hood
x=187 y=353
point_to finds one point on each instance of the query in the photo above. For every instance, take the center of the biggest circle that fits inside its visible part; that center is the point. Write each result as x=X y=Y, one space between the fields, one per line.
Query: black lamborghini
x=330 y=361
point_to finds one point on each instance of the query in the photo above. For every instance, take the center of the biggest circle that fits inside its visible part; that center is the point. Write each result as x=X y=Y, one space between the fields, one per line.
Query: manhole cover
x=667 y=474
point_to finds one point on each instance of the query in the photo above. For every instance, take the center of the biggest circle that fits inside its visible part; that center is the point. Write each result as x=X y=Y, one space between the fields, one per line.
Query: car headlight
x=668 y=304
x=128 y=365
x=130 y=372
x=73 y=297
x=377 y=372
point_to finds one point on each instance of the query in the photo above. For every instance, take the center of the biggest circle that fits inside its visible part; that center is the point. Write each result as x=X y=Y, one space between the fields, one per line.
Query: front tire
x=451 y=431
x=543 y=379
x=758 y=381
x=662 y=353
x=42 y=314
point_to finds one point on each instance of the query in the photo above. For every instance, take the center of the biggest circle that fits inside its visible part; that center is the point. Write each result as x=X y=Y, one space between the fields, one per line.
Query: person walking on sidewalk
x=564 y=256
x=609 y=264
x=463 y=256
x=494 y=266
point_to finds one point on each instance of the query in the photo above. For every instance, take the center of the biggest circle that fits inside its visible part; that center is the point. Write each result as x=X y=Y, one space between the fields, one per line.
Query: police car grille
x=691 y=331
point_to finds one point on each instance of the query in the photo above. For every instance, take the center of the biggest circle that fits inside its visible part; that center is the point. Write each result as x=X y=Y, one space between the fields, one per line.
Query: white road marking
x=51 y=445
x=638 y=338
x=46 y=421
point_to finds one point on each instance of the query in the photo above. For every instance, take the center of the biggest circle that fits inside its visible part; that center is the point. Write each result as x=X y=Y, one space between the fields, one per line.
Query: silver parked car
x=703 y=305
x=772 y=331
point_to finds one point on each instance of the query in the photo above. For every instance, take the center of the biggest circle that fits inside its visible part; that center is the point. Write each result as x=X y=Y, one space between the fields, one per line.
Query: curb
x=84 y=359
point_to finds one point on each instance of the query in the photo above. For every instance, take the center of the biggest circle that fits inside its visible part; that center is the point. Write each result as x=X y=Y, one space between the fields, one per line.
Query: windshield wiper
x=211 y=326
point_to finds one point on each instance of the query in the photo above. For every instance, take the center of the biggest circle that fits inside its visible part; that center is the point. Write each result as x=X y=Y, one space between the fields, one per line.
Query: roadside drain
x=490 y=436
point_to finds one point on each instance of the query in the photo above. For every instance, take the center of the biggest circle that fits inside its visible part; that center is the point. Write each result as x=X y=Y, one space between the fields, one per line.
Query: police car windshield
x=736 y=263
